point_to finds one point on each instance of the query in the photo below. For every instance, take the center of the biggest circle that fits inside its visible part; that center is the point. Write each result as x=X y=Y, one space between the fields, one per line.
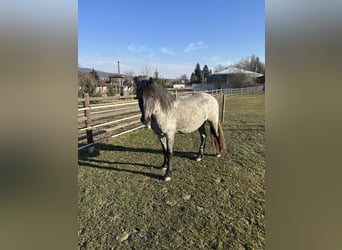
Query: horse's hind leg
x=203 y=135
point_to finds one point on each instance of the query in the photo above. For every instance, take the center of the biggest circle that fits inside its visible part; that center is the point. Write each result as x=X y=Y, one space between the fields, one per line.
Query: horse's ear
x=151 y=80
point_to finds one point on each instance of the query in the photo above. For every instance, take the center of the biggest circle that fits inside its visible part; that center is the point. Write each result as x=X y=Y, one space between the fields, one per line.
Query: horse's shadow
x=116 y=148
x=89 y=160
x=108 y=165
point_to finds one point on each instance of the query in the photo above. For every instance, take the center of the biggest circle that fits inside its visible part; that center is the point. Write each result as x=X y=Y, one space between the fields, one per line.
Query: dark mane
x=148 y=88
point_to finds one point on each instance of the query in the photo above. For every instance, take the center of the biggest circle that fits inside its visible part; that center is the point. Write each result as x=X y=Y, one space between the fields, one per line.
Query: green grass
x=218 y=203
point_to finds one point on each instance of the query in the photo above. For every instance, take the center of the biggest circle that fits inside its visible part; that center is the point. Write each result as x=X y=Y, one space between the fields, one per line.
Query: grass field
x=218 y=203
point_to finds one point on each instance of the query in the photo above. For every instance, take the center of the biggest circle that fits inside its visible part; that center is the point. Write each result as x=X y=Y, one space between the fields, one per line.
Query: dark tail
x=217 y=141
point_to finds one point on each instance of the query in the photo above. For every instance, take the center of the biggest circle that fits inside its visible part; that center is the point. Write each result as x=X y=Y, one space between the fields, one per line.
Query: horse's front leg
x=169 y=150
x=163 y=142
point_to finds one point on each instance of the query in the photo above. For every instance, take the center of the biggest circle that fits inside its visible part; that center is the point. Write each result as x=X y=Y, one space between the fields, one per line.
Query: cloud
x=166 y=51
x=214 y=59
x=151 y=56
x=195 y=46
x=136 y=48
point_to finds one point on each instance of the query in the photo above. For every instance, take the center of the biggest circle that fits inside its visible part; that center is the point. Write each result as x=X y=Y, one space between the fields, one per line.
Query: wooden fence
x=102 y=118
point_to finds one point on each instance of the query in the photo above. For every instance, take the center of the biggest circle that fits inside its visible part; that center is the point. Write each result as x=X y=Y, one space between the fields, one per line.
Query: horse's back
x=192 y=111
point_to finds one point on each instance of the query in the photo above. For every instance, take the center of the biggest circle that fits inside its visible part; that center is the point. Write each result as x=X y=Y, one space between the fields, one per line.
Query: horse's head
x=146 y=98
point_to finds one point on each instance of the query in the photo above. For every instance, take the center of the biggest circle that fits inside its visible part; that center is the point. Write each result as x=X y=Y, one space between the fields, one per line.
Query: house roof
x=234 y=70
x=103 y=84
x=115 y=75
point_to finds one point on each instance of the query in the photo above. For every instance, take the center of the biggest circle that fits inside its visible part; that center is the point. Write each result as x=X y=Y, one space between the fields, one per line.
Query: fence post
x=223 y=107
x=87 y=114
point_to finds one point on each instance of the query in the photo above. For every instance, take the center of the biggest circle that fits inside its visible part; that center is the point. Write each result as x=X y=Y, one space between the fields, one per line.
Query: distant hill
x=101 y=74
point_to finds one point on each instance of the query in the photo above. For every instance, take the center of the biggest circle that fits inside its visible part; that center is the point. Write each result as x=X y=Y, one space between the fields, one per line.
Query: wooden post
x=176 y=94
x=223 y=109
x=87 y=114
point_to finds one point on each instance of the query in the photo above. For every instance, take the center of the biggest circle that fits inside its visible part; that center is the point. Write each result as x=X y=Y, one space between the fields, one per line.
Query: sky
x=168 y=36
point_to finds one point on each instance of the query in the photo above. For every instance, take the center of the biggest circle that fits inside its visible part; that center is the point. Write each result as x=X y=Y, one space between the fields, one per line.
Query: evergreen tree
x=111 y=90
x=193 y=78
x=86 y=84
x=198 y=73
x=252 y=63
x=94 y=74
x=205 y=71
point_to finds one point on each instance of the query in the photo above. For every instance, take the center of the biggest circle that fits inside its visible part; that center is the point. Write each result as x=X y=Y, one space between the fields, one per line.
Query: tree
x=198 y=73
x=219 y=68
x=251 y=63
x=130 y=73
x=160 y=81
x=184 y=77
x=94 y=74
x=111 y=90
x=86 y=84
x=193 y=78
x=260 y=67
x=205 y=71
x=146 y=70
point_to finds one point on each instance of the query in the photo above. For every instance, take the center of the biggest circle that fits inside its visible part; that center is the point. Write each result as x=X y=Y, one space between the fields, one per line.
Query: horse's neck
x=158 y=110
x=161 y=115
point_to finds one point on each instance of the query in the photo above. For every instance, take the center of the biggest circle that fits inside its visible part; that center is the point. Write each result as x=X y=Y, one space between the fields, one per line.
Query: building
x=102 y=87
x=116 y=79
x=233 y=77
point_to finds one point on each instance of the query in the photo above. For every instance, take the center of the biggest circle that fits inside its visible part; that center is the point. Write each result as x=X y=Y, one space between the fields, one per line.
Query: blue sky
x=171 y=36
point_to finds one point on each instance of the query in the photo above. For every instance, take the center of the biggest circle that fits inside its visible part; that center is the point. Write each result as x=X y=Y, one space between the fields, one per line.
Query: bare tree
x=251 y=63
x=130 y=73
x=147 y=70
x=184 y=77
x=219 y=68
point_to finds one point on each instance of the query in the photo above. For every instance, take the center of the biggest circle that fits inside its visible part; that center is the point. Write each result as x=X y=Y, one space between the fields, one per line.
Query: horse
x=167 y=115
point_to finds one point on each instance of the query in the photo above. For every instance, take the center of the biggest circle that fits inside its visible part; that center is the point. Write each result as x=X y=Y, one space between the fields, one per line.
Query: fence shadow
x=108 y=165
x=253 y=127
x=111 y=147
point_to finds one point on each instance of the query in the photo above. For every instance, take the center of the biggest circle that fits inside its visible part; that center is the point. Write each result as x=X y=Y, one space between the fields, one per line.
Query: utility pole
x=120 y=80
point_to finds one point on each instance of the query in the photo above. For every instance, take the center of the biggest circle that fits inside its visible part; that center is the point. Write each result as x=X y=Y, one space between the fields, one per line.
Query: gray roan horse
x=166 y=115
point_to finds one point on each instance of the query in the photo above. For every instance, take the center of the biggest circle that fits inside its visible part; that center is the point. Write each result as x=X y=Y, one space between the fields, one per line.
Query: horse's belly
x=189 y=126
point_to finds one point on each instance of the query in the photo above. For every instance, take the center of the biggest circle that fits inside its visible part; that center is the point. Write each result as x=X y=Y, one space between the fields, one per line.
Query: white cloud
x=166 y=51
x=150 y=56
x=136 y=48
x=195 y=46
x=214 y=59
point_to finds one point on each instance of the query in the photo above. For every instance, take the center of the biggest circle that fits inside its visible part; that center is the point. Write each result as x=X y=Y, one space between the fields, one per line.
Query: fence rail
x=108 y=117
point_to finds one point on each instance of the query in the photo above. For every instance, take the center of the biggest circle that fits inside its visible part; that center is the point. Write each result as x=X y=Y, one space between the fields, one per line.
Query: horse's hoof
x=218 y=155
x=167 y=178
x=198 y=159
